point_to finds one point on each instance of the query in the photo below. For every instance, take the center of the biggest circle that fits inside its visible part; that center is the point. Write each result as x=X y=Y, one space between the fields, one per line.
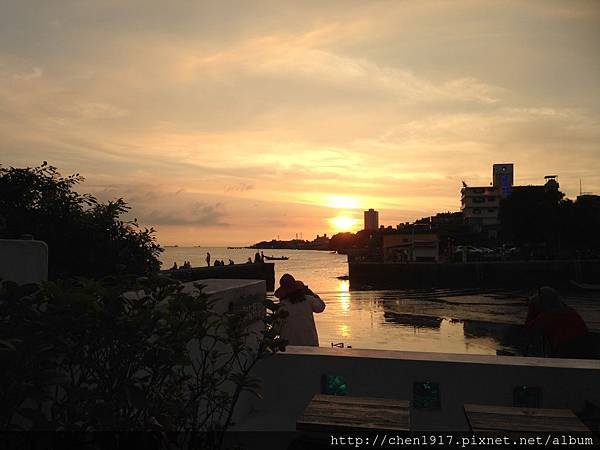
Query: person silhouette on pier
x=208 y=259
x=301 y=303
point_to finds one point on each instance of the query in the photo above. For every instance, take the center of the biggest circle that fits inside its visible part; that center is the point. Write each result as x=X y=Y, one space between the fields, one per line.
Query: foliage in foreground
x=85 y=236
x=92 y=356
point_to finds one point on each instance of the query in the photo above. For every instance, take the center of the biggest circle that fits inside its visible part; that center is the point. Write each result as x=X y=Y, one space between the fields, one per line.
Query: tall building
x=371 y=219
x=503 y=177
x=480 y=205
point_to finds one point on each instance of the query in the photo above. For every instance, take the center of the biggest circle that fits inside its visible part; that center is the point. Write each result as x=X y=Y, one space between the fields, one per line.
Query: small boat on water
x=586 y=286
x=276 y=258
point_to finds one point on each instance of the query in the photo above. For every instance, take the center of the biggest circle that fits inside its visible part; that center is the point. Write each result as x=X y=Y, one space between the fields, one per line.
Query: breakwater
x=374 y=275
x=262 y=271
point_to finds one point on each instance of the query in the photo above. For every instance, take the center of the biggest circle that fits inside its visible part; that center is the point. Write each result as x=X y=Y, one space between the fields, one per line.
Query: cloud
x=239 y=187
x=281 y=104
x=35 y=72
x=97 y=111
x=198 y=215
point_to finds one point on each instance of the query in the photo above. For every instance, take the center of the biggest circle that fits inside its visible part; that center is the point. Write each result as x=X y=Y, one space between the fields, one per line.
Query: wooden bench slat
x=484 y=418
x=336 y=399
x=330 y=413
x=517 y=411
x=372 y=422
x=348 y=415
x=318 y=423
x=333 y=409
x=517 y=423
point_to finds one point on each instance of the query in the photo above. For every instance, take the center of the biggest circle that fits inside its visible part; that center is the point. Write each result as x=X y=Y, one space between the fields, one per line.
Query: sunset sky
x=229 y=122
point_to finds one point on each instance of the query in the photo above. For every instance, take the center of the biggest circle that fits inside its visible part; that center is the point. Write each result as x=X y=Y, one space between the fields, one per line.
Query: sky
x=230 y=122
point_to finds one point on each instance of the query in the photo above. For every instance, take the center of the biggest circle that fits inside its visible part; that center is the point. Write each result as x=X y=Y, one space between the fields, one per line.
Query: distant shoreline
x=252 y=247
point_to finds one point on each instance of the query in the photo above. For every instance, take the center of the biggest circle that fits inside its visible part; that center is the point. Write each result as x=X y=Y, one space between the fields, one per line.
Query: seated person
x=561 y=325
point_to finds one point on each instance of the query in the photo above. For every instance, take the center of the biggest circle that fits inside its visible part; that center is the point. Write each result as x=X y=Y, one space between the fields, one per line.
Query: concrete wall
x=292 y=378
x=233 y=295
x=262 y=271
x=23 y=261
x=505 y=273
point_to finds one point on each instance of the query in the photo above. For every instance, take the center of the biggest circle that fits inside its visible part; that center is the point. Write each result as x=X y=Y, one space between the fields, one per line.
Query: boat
x=586 y=286
x=276 y=258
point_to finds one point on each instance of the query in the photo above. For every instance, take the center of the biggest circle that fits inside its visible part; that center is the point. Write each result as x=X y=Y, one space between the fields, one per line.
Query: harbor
x=470 y=320
x=531 y=274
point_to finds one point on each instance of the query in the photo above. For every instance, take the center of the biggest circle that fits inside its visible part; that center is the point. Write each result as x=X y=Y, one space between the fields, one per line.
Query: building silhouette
x=480 y=205
x=371 y=219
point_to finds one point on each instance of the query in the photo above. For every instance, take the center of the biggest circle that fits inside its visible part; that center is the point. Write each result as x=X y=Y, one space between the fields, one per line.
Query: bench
x=517 y=421
x=326 y=413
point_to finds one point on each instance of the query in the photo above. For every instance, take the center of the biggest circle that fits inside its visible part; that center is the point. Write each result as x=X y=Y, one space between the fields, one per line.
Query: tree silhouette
x=85 y=237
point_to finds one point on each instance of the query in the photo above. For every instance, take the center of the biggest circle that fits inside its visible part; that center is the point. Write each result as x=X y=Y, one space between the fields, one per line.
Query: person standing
x=300 y=303
x=208 y=259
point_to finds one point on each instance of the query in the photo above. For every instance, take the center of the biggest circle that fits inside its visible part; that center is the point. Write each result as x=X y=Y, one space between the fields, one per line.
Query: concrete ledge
x=262 y=271
x=290 y=379
x=23 y=261
x=214 y=286
x=592 y=364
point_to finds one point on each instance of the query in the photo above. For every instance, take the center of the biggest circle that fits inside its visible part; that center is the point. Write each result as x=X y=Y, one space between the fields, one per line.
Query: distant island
x=319 y=243
x=340 y=242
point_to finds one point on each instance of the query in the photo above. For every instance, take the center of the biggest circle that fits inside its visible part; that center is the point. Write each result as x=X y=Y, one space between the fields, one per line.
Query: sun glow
x=343 y=223
x=342 y=202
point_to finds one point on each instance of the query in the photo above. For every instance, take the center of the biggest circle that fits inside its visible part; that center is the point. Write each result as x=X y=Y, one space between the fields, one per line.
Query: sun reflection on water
x=344 y=295
x=344 y=330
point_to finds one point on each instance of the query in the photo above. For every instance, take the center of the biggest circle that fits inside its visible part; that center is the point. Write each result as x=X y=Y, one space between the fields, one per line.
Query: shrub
x=125 y=354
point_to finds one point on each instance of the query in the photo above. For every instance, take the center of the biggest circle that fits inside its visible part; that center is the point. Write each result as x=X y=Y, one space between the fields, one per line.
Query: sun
x=343 y=223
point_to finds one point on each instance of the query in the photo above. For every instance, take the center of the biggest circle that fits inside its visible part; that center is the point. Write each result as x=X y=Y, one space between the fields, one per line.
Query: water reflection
x=413 y=320
x=344 y=331
x=490 y=322
x=398 y=320
x=344 y=295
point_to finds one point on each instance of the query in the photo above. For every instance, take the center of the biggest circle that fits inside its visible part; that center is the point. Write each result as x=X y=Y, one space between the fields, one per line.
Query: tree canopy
x=538 y=215
x=85 y=237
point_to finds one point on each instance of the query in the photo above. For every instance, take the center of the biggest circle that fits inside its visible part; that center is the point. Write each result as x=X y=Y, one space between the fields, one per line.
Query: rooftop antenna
x=580 y=191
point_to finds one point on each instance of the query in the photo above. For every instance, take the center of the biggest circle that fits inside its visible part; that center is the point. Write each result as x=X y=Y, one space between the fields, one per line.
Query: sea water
x=411 y=320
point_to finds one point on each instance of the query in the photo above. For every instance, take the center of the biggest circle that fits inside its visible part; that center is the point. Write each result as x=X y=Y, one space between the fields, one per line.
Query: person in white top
x=300 y=303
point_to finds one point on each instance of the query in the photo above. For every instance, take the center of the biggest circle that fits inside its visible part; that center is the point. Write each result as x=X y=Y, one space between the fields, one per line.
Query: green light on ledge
x=334 y=385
